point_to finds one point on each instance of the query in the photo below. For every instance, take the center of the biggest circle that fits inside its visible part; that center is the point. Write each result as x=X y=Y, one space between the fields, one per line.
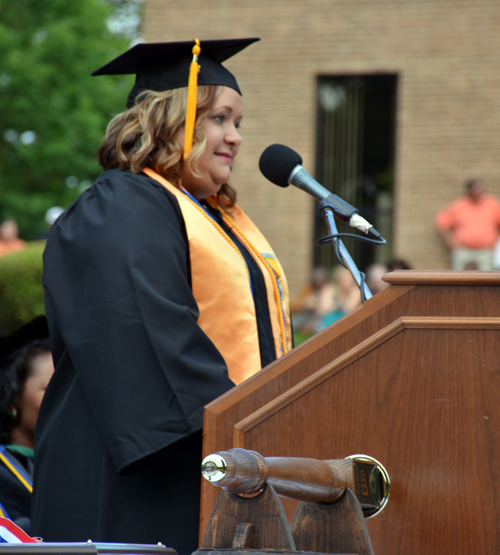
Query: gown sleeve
x=123 y=316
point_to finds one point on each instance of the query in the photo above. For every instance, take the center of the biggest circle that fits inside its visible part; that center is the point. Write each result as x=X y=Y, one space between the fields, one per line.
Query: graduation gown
x=118 y=443
x=16 y=473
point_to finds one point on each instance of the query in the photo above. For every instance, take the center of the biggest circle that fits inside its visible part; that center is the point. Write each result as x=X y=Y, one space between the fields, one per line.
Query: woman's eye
x=219 y=119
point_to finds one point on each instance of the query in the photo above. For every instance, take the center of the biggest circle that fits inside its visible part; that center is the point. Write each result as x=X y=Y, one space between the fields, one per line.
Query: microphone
x=282 y=166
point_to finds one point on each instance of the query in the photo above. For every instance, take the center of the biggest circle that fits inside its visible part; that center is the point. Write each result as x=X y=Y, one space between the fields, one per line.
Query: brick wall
x=447 y=56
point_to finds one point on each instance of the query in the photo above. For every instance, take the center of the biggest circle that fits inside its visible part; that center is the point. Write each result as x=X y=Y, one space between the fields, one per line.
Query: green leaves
x=53 y=114
x=21 y=287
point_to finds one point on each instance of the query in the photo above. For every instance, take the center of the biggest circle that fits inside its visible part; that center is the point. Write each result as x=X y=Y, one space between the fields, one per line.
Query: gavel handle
x=247 y=472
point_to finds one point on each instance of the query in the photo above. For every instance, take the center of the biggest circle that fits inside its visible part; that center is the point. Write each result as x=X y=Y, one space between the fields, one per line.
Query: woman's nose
x=233 y=136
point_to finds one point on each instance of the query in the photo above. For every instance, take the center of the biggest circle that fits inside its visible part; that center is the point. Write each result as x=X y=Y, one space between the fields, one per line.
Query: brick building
x=417 y=82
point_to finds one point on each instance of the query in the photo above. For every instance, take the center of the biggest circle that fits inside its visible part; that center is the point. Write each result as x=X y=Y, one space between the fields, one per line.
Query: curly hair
x=146 y=136
x=12 y=379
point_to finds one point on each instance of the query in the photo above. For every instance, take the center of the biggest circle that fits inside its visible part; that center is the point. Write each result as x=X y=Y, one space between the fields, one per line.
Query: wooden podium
x=411 y=378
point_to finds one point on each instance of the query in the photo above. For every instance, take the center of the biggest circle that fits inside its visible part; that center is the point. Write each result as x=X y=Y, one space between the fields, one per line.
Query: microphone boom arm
x=328 y=213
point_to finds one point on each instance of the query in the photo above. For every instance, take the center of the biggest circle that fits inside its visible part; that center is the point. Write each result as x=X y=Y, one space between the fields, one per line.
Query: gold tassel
x=191 y=100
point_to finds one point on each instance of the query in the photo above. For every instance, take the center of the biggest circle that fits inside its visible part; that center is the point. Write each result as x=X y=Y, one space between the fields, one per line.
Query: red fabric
x=475 y=225
x=11 y=533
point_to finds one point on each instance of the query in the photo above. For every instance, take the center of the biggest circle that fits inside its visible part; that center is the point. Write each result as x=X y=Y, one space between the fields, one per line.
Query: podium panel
x=412 y=378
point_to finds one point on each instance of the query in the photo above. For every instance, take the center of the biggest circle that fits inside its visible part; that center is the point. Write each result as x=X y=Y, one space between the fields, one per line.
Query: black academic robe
x=15 y=498
x=118 y=442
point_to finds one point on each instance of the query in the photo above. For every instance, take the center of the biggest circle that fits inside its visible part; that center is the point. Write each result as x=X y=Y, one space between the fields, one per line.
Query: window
x=355 y=159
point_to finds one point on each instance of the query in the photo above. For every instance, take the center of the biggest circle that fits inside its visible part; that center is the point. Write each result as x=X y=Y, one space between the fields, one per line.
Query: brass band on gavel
x=239 y=471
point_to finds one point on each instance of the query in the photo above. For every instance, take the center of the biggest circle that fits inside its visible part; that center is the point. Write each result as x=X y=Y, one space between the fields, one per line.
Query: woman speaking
x=161 y=295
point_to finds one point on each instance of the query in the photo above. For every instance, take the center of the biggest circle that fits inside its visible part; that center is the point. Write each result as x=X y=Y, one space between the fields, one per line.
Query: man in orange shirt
x=470 y=227
x=9 y=240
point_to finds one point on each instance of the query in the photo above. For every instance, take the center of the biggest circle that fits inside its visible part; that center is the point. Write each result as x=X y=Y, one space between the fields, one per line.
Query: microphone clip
x=342 y=209
x=349 y=215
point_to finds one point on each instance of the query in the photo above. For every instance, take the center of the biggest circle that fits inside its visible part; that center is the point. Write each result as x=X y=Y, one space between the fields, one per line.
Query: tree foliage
x=21 y=287
x=53 y=114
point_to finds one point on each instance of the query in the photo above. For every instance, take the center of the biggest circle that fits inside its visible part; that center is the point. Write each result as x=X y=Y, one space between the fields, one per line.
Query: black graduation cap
x=36 y=330
x=161 y=66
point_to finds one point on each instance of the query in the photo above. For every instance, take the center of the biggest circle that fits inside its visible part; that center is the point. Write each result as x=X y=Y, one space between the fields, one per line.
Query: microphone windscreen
x=277 y=163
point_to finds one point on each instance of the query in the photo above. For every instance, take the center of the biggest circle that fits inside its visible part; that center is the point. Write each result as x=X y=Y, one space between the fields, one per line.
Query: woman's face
x=30 y=399
x=223 y=143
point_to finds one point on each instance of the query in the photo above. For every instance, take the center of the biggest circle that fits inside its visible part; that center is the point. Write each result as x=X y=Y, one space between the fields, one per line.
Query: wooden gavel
x=243 y=472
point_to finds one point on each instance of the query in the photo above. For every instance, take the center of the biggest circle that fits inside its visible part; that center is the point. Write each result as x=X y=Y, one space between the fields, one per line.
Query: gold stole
x=221 y=284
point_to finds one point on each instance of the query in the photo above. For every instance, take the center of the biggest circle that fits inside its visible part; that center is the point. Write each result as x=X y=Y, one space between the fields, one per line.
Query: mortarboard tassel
x=191 y=100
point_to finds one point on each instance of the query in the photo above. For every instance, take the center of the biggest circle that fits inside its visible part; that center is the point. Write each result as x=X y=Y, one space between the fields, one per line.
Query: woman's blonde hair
x=146 y=136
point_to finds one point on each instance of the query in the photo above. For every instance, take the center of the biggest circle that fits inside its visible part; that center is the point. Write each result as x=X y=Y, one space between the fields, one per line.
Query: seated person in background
x=374 y=274
x=9 y=237
x=398 y=264
x=313 y=302
x=346 y=298
x=25 y=370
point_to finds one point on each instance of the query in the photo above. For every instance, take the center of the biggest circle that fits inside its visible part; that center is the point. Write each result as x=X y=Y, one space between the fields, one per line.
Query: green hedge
x=21 y=293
